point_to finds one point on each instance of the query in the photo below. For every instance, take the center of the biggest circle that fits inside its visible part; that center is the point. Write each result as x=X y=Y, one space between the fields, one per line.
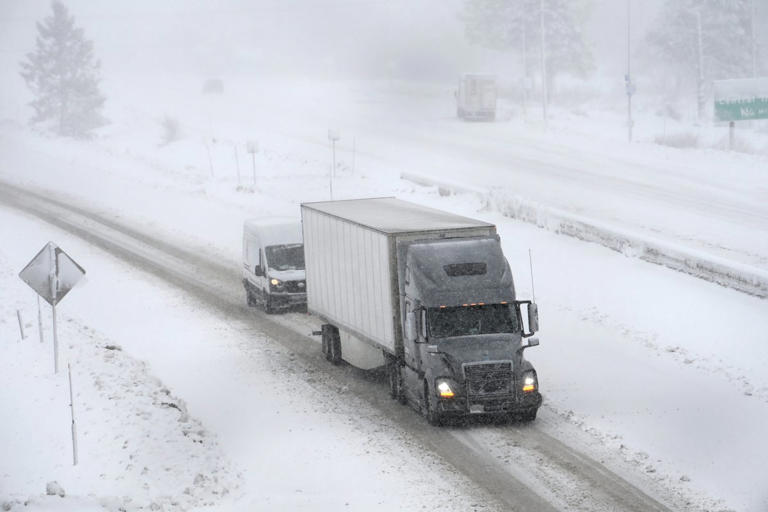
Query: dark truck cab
x=464 y=332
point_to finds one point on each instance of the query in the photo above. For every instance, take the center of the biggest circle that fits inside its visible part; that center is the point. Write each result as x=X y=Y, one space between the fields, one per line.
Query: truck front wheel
x=529 y=415
x=433 y=417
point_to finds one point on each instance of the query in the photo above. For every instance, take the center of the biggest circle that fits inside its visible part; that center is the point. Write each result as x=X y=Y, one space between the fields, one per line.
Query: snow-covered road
x=623 y=383
x=659 y=377
x=479 y=460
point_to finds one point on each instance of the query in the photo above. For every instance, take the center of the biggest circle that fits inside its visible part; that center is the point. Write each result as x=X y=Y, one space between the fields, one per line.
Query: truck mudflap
x=461 y=405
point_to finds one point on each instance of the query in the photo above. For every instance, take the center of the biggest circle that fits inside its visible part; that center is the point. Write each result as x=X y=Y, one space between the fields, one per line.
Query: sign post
x=740 y=100
x=52 y=273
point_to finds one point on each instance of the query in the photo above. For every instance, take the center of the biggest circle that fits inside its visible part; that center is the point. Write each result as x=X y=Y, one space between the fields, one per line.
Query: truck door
x=412 y=355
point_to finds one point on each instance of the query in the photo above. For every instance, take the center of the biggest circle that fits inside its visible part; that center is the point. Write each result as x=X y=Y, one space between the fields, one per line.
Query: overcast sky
x=403 y=38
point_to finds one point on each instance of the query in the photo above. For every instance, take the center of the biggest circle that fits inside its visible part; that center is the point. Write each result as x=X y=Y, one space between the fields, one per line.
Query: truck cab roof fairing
x=427 y=279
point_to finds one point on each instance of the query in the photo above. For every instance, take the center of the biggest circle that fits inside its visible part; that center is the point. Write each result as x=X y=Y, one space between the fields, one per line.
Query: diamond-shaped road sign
x=52 y=273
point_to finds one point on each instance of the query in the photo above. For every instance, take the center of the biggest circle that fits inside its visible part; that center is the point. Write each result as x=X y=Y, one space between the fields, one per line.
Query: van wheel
x=249 y=298
x=433 y=417
x=268 y=307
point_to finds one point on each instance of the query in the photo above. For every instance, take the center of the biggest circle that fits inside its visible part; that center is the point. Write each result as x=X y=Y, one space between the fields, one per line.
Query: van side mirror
x=533 y=317
x=258 y=270
x=410 y=326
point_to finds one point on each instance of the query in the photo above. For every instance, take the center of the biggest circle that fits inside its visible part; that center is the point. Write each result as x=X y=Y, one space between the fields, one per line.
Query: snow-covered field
x=659 y=374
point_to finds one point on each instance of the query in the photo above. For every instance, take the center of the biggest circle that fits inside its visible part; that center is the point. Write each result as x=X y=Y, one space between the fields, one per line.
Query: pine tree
x=64 y=77
x=515 y=25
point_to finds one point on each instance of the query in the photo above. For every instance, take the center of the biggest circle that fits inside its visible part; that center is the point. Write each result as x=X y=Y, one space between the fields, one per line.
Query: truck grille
x=484 y=379
x=295 y=286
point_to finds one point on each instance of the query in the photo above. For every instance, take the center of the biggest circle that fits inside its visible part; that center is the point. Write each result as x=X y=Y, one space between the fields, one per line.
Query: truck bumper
x=461 y=406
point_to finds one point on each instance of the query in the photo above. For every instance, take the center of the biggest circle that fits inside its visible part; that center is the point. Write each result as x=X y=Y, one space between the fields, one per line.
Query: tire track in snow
x=219 y=286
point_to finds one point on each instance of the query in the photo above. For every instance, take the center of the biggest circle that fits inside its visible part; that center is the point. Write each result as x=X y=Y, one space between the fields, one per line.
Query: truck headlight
x=530 y=382
x=276 y=283
x=444 y=388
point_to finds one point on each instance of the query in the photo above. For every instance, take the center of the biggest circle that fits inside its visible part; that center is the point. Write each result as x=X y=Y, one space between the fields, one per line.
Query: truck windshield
x=286 y=257
x=470 y=320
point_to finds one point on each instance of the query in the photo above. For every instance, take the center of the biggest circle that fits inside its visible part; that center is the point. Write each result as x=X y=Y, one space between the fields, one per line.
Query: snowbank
x=741 y=277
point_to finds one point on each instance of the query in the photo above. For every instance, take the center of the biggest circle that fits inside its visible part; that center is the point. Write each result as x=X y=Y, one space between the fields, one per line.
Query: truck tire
x=331 y=342
x=433 y=417
x=395 y=380
x=249 y=298
x=335 y=348
x=326 y=344
x=528 y=415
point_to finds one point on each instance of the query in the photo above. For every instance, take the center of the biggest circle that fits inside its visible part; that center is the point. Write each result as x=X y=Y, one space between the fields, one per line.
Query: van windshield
x=286 y=257
x=447 y=322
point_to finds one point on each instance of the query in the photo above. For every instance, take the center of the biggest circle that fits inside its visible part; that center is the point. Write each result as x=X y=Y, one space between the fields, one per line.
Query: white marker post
x=72 y=410
x=253 y=147
x=333 y=136
x=21 y=324
x=237 y=163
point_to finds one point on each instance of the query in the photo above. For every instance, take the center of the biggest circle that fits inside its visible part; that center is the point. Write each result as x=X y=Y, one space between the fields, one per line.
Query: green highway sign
x=741 y=100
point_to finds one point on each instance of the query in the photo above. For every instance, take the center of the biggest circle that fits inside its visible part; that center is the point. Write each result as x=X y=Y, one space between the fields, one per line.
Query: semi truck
x=428 y=297
x=476 y=97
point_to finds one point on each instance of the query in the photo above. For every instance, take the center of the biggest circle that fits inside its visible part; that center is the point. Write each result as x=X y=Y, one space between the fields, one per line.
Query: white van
x=273 y=264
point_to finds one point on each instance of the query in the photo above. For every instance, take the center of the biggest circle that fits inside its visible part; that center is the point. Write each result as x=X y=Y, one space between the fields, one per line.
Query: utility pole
x=525 y=68
x=629 y=72
x=700 y=81
x=543 y=62
x=754 y=41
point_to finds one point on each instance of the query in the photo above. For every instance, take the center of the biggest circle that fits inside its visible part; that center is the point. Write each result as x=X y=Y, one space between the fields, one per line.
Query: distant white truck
x=429 y=295
x=476 y=96
x=273 y=264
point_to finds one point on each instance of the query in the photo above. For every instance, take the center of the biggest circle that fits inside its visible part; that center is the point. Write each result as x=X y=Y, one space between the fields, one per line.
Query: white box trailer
x=476 y=96
x=350 y=249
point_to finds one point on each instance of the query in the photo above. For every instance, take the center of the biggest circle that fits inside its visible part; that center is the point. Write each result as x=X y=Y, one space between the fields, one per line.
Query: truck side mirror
x=410 y=326
x=533 y=317
x=258 y=270
x=528 y=343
